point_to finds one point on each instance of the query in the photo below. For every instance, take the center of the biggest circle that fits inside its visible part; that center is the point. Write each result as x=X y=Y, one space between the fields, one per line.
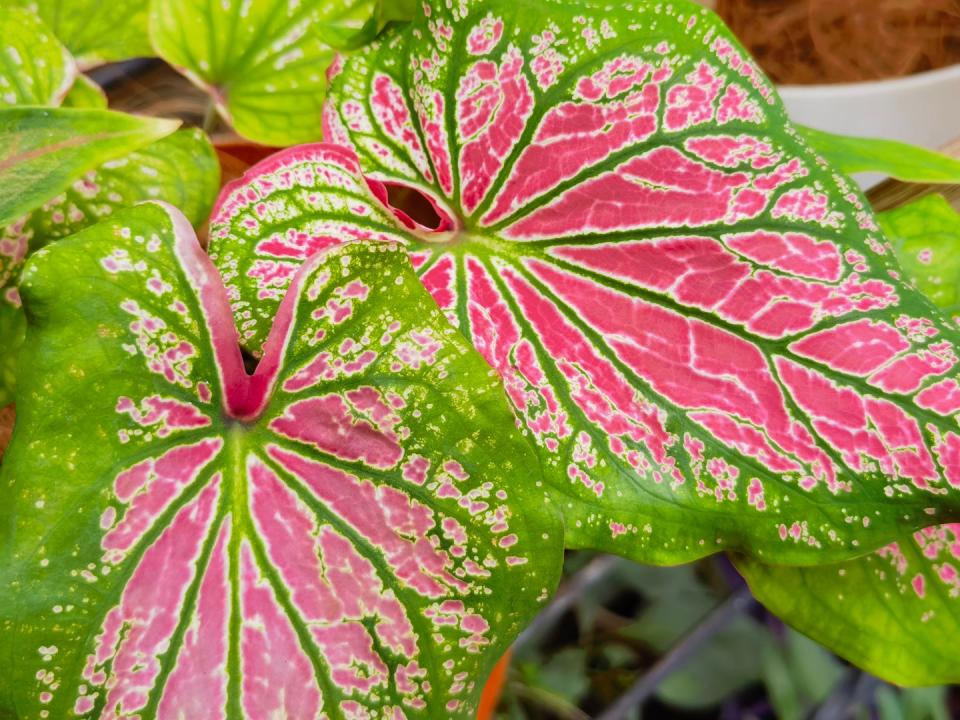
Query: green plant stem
x=211 y=118
x=547 y=700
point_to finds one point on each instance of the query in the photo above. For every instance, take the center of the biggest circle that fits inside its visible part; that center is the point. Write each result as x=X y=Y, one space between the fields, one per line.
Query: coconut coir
x=833 y=41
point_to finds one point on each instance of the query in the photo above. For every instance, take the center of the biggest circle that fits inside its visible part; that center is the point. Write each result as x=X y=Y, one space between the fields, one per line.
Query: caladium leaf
x=263 y=61
x=95 y=31
x=353 y=531
x=180 y=169
x=694 y=317
x=86 y=93
x=926 y=236
x=35 y=68
x=895 y=613
x=897 y=159
x=44 y=150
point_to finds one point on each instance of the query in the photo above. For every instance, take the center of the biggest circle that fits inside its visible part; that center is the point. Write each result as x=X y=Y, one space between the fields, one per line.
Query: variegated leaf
x=697 y=320
x=95 y=31
x=44 y=150
x=262 y=61
x=926 y=236
x=897 y=612
x=353 y=531
x=180 y=169
x=35 y=69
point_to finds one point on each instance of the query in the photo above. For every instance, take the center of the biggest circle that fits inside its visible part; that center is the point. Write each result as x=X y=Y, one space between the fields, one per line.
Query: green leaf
x=896 y=159
x=699 y=323
x=43 y=151
x=926 y=237
x=262 y=61
x=180 y=169
x=86 y=93
x=395 y=11
x=35 y=69
x=708 y=677
x=341 y=532
x=95 y=31
x=894 y=613
x=712 y=676
x=799 y=674
x=563 y=675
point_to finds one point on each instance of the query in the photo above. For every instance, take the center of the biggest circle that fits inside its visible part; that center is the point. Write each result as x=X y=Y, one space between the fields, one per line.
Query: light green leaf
x=263 y=62
x=96 y=31
x=895 y=613
x=180 y=169
x=926 y=237
x=42 y=151
x=395 y=10
x=697 y=321
x=85 y=93
x=35 y=69
x=896 y=159
x=340 y=534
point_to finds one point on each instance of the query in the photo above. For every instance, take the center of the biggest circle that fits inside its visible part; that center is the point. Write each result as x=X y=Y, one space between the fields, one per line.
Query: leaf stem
x=211 y=118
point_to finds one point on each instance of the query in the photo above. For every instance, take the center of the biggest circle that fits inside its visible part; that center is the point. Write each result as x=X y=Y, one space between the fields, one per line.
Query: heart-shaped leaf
x=180 y=169
x=42 y=151
x=95 y=31
x=35 y=69
x=694 y=317
x=263 y=61
x=353 y=531
x=897 y=612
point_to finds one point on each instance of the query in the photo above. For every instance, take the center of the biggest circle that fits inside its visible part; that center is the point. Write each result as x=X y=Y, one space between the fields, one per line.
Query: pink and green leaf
x=95 y=31
x=896 y=612
x=263 y=61
x=355 y=530
x=698 y=321
x=35 y=68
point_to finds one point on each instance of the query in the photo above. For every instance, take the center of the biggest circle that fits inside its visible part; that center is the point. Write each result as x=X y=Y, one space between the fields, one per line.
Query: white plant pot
x=921 y=109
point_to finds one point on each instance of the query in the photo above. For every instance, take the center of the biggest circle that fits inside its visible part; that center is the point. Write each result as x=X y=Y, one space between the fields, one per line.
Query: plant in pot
x=328 y=466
